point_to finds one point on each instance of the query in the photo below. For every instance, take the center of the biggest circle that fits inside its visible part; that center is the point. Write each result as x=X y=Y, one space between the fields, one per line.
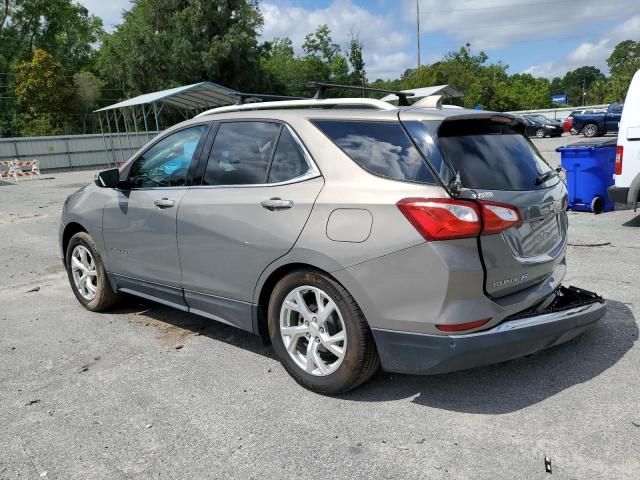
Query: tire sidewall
x=343 y=375
x=589 y=131
x=86 y=241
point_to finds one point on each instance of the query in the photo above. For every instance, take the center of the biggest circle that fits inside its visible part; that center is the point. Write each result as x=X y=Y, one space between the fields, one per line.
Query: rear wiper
x=546 y=176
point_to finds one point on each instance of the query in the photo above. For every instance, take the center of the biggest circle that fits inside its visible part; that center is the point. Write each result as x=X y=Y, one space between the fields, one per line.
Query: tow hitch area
x=563 y=298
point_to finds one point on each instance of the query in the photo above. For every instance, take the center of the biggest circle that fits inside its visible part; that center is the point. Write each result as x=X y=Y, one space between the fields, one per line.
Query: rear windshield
x=382 y=148
x=488 y=155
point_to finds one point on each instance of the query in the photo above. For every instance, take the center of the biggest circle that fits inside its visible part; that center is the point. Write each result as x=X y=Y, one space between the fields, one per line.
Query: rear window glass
x=381 y=148
x=491 y=155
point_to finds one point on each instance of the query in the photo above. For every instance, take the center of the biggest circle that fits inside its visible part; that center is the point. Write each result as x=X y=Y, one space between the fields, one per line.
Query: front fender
x=85 y=208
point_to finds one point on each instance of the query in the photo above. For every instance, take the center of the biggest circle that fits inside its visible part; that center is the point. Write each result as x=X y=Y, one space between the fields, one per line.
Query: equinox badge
x=509 y=281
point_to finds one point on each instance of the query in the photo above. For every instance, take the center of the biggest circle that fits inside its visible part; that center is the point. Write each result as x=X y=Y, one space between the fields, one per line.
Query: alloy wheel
x=83 y=269
x=313 y=330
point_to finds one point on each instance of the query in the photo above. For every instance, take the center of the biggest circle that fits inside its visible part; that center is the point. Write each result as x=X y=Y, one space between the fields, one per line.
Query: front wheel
x=320 y=334
x=87 y=275
x=540 y=133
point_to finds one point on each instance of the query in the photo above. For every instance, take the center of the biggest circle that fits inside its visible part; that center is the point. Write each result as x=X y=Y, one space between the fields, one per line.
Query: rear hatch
x=490 y=156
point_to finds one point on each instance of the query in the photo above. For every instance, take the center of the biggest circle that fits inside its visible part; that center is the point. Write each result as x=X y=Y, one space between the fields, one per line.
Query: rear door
x=501 y=165
x=257 y=190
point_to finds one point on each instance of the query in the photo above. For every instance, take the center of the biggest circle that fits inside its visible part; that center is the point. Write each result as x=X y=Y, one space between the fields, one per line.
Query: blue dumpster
x=590 y=167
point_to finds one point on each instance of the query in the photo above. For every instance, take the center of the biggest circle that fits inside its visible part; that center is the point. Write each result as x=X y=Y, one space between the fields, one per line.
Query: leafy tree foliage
x=42 y=88
x=323 y=60
x=166 y=43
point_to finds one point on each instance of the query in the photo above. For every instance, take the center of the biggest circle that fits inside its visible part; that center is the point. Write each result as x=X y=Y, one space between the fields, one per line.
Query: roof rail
x=241 y=97
x=322 y=87
x=369 y=103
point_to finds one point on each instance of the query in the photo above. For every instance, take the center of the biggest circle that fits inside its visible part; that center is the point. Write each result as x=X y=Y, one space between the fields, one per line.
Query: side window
x=241 y=153
x=288 y=161
x=166 y=164
x=381 y=148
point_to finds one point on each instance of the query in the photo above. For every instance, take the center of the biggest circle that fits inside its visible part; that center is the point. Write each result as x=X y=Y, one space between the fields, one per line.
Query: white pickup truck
x=626 y=189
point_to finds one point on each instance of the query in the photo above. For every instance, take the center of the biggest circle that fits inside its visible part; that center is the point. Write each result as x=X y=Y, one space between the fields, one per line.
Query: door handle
x=276 y=204
x=164 y=203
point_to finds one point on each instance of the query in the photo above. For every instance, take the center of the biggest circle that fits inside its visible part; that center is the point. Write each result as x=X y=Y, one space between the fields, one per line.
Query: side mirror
x=108 y=178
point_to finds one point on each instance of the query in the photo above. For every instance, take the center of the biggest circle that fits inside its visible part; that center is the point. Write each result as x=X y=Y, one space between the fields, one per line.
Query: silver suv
x=425 y=240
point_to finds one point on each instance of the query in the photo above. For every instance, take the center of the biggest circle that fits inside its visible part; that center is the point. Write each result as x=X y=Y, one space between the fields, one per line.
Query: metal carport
x=189 y=100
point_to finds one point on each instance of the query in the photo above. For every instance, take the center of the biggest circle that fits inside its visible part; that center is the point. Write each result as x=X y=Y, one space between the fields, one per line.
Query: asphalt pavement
x=150 y=392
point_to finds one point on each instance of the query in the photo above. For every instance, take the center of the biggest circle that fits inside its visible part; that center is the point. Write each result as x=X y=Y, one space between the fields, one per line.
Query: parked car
x=598 y=123
x=626 y=189
x=426 y=240
x=540 y=127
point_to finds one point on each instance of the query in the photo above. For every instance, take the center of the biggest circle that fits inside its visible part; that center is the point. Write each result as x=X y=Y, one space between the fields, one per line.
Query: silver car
x=424 y=240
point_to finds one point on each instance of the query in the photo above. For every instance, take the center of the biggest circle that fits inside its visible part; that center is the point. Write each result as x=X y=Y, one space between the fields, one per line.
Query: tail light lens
x=442 y=218
x=448 y=218
x=619 y=152
x=497 y=217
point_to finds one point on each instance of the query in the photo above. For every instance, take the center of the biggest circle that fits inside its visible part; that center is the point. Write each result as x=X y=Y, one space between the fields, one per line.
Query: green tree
x=358 y=74
x=597 y=92
x=86 y=94
x=165 y=43
x=577 y=82
x=44 y=93
x=625 y=58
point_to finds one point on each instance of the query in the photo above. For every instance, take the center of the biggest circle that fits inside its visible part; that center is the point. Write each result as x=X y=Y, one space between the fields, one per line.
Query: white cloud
x=491 y=24
x=385 y=41
x=109 y=10
x=590 y=53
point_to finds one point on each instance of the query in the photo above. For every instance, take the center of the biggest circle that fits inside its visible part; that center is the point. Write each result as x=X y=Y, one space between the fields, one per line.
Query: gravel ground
x=150 y=392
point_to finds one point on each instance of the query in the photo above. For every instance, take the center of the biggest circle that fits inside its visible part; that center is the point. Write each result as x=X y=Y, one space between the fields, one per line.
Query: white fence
x=556 y=113
x=73 y=151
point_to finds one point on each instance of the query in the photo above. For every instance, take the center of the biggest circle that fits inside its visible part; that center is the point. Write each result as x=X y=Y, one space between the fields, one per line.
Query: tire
x=590 y=130
x=540 y=133
x=359 y=359
x=597 y=205
x=84 y=248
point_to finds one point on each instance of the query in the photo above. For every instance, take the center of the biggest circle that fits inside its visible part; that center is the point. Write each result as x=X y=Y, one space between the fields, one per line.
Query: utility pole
x=418 y=28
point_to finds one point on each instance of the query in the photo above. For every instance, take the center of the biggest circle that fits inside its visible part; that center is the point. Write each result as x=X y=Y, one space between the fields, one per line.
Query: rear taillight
x=619 y=152
x=448 y=218
x=497 y=217
x=442 y=218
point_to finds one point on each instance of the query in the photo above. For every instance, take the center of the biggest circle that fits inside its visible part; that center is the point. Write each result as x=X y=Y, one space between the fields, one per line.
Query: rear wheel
x=540 y=133
x=590 y=130
x=320 y=334
x=87 y=274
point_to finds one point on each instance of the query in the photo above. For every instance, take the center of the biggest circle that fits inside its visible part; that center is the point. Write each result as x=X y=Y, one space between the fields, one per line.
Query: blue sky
x=542 y=37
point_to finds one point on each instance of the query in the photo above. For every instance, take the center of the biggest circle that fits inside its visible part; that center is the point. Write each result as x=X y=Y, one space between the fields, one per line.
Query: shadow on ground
x=634 y=222
x=513 y=385
x=496 y=389
x=174 y=328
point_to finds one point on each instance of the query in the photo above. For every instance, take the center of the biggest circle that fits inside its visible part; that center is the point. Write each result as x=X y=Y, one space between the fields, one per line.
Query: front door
x=256 y=195
x=139 y=222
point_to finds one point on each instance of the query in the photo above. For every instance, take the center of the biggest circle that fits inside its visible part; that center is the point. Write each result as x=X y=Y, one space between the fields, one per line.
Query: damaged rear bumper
x=560 y=319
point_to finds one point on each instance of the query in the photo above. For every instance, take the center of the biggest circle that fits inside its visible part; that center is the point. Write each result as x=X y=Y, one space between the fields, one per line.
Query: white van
x=627 y=175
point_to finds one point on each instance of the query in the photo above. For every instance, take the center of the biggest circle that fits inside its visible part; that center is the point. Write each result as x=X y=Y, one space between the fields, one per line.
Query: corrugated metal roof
x=445 y=90
x=201 y=95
